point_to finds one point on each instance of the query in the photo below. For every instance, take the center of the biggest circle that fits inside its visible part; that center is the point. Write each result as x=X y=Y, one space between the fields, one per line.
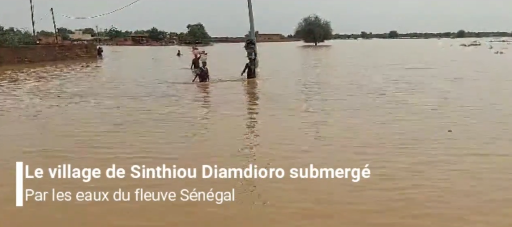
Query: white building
x=79 y=35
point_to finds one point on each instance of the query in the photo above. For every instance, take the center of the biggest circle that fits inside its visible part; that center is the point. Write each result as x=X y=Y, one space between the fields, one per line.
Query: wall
x=228 y=39
x=48 y=39
x=46 y=53
x=242 y=40
x=269 y=37
x=78 y=35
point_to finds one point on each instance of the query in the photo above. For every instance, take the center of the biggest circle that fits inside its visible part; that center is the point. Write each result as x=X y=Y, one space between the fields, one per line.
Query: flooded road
x=432 y=120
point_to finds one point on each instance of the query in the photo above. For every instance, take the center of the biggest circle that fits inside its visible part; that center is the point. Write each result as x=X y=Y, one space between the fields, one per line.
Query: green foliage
x=365 y=35
x=313 y=29
x=114 y=33
x=45 y=33
x=446 y=34
x=426 y=35
x=173 y=34
x=15 y=37
x=63 y=30
x=64 y=33
x=139 y=32
x=393 y=35
x=89 y=31
x=127 y=33
x=182 y=36
x=197 y=33
x=156 y=35
x=461 y=34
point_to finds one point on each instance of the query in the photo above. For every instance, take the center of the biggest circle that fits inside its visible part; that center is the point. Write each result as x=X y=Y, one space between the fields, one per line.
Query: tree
x=313 y=29
x=156 y=35
x=127 y=33
x=89 y=31
x=182 y=37
x=64 y=33
x=63 y=30
x=15 y=37
x=198 y=33
x=393 y=34
x=113 y=33
x=45 y=33
x=364 y=35
x=173 y=34
x=460 y=34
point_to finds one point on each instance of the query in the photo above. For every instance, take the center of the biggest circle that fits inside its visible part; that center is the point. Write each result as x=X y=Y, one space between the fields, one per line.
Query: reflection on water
x=204 y=89
x=251 y=92
x=432 y=120
x=249 y=150
x=44 y=71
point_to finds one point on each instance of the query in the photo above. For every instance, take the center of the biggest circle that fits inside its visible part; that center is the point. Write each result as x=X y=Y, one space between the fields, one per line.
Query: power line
x=101 y=15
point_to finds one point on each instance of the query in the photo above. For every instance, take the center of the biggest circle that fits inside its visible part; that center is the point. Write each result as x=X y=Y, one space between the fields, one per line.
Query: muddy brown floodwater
x=433 y=121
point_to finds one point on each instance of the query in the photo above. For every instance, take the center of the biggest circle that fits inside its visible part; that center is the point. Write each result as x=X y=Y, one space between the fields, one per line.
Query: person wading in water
x=203 y=57
x=195 y=51
x=99 y=52
x=196 y=65
x=199 y=72
x=179 y=53
x=204 y=75
x=251 y=70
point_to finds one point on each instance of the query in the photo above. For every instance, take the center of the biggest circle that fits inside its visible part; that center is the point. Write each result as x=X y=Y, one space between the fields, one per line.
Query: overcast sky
x=229 y=17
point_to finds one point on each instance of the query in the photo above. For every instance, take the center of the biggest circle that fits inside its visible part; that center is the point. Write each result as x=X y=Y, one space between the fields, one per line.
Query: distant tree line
x=420 y=35
x=311 y=29
x=196 y=33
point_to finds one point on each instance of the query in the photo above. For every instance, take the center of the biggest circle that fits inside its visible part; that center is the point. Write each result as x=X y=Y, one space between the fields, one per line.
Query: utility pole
x=98 y=34
x=251 y=43
x=251 y=21
x=33 y=22
x=55 y=27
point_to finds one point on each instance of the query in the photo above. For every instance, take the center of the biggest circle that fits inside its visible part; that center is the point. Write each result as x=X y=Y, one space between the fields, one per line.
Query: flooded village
x=22 y=47
x=377 y=127
x=144 y=39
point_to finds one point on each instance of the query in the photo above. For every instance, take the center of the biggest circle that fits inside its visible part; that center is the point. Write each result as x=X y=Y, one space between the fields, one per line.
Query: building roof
x=78 y=35
x=269 y=34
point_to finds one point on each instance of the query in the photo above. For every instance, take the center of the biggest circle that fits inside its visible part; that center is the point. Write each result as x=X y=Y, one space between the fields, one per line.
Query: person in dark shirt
x=251 y=71
x=179 y=53
x=100 y=52
x=203 y=75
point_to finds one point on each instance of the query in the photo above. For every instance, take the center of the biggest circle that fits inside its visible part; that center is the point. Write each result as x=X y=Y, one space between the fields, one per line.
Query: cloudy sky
x=229 y=17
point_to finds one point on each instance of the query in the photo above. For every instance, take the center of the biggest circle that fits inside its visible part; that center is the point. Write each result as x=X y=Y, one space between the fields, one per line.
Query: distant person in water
x=99 y=51
x=179 y=53
x=203 y=75
x=251 y=71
